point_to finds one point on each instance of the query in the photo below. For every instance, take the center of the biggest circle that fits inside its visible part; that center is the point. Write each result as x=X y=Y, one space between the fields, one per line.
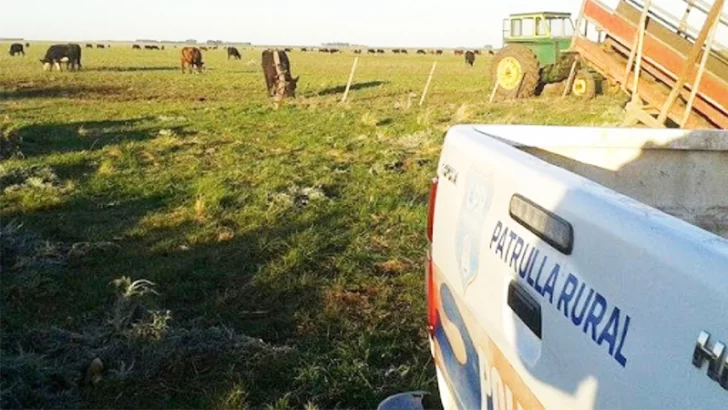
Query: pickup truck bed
x=580 y=268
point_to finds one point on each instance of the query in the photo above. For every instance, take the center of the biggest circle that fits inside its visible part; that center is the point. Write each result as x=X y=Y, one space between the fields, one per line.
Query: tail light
x=431 y=289
x=432 y=317
x=431 y=210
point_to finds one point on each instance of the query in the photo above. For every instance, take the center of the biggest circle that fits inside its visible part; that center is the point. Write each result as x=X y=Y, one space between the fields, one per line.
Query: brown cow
x=277 y=72
x=192 y=58
x=458 y=52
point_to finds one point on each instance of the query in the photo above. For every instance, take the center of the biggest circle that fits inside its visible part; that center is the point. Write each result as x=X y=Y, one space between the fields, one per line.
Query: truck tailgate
x=557 y=292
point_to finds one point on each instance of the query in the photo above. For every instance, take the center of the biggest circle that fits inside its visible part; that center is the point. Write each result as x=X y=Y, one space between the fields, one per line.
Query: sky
x=386 y=23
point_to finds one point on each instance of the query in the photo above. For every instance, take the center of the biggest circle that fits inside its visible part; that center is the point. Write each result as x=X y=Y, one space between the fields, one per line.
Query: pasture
x=286 y=246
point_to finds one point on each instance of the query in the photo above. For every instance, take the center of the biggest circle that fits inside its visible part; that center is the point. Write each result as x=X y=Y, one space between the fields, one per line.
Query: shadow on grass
x=213 y=284
x=356 y=86
x=47 y=138
x=133 y=69
x=30 y=92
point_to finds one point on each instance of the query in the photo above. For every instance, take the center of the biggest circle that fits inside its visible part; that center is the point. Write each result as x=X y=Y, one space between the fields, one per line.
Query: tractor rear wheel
x=515 y=69
x=584 y=85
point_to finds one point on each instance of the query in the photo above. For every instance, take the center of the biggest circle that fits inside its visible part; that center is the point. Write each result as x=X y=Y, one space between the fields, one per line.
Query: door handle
x=525 y=306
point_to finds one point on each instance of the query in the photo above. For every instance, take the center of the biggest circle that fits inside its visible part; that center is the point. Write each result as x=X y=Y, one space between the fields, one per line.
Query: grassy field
x=285 y=246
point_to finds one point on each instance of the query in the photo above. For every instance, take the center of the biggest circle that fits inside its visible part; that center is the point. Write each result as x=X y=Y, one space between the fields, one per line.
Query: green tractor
x=536 y=53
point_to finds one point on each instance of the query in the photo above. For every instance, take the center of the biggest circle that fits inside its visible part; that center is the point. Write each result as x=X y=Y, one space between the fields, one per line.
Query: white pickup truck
x=579 y=268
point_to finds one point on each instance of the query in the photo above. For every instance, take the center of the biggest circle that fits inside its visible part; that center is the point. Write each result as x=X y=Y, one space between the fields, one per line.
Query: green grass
x=302 y=227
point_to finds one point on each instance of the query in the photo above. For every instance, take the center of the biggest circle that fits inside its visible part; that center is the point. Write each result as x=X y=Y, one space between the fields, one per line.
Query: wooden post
x=692 y=57
x=427 y=85
x=579 y=20
x=637 y=51
x=280 y=85
x=351 y=78
x=492 y=94
x=695 y=87
x=570 y=79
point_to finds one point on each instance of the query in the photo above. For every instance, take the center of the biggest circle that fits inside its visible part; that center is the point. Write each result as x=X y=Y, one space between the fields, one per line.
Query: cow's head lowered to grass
x=278 y=78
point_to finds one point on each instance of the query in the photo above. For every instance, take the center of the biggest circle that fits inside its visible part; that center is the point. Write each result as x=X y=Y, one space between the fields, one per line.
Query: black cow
x=277 y=74
x=89 y=46
x=136 y=47
x=233 y=52
x=422 y=52
x=469 y=58
x=287 y=50
x=27 y=45
x=62 y=53
x=100 y=46
x=371 y=51
x=16 y=48
x=304 y=50
x=380 y=51
x=323 y=50
x=438 y=52
x=357 y=51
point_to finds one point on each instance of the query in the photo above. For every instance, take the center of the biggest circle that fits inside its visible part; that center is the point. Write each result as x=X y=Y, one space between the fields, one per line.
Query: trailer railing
x=680 y=24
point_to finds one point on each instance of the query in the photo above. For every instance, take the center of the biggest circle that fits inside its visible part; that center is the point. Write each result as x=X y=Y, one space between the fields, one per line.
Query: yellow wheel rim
x=509 y=73
x=579 y=86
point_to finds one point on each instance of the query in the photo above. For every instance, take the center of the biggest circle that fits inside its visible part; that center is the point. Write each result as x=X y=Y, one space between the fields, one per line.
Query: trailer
x=676 y=74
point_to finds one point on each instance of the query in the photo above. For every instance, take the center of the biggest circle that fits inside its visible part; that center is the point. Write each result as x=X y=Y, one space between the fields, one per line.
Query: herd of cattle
x=276 y=65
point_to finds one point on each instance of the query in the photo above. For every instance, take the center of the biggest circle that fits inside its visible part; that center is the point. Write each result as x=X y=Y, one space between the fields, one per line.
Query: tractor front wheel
x=516 y=72
x=584 y=85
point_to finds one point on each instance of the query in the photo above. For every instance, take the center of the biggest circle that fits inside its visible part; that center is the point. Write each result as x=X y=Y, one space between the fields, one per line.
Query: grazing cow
x=62 y=53
x=477 y=52
x=287 y=50
x=27 y=45
x=136 y=47
x=151 y=47
x=438 y=52
x=203 y=48
x=192 y=59
x=459 y=52
x=395 y=51
x=89 y=46
x=16 y=48
x=421 y=52
x=371 y=51
x=277 y=72
x=357 y=51
x=380 y=51
x=100 y=46
x=334 y=50
x=491 y=52
x=162 y=48
x=304 y=50
x=469 y=58
x=233 y=53
x=323 y=50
